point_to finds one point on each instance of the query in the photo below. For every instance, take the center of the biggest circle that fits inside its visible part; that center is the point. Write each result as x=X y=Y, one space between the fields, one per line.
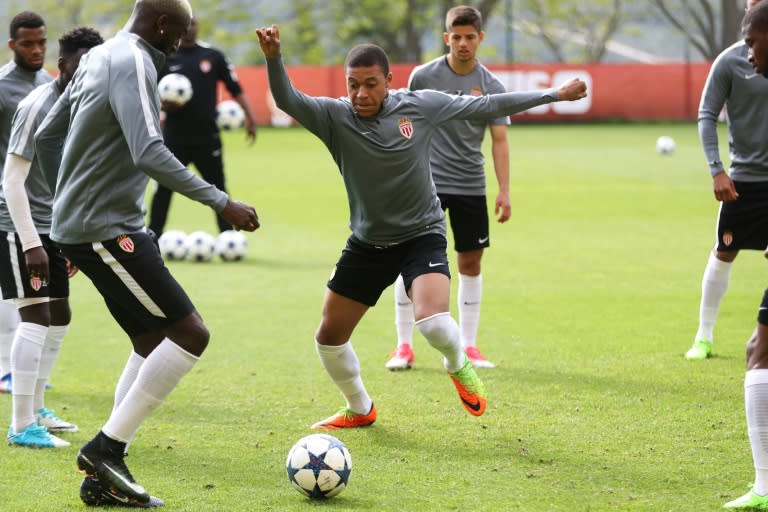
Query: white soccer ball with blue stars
x=173 y=245
x=231 y=245
x=665 y=145
x=176 y=88
x=201 y=246
x=319 y=466
x=229 y=115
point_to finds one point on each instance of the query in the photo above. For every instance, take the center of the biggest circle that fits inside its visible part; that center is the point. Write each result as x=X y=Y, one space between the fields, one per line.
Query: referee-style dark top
x=205 y=66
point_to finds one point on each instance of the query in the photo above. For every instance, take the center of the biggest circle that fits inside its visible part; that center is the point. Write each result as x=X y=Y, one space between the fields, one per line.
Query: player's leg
x=161 y=321
x=9 y=320
x=427 y=277
x=756 y=402
x=470 y=226
x=210 y=162
x=714 y=284
x=402 y=358
x=361 y=275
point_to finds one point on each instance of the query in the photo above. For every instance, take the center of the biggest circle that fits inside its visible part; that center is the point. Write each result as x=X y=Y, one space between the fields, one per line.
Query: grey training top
x=109 y=115
x=384 y=159
x=29 y=114
x=15 y=84
x=732 y=83
x=457 y=158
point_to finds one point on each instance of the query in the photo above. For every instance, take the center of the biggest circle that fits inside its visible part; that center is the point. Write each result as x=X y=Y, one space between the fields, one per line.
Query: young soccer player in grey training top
x=28 y=42
x=458 y=170
x=742 y=192
x=108 y=122
x=380 y=140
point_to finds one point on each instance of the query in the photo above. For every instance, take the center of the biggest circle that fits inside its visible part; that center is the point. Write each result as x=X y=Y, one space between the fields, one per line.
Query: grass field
x=591 y=299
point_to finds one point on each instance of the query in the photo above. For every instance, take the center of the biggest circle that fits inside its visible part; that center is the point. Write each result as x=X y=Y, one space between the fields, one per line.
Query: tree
x=573 y=30
x=710 y=26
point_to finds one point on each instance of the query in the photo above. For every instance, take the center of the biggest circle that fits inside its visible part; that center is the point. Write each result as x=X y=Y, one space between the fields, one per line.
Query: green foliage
x=591 y=299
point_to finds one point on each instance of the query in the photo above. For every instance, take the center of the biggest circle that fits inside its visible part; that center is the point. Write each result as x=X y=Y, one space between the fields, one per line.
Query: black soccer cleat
x=94 y=494
x=102 y=458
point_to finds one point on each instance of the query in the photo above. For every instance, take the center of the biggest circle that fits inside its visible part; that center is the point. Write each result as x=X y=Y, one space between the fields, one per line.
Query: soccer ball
x=200 y=246
x=319 y=466
x=229 y=115
x=665 y=145
x=175 y=88
x=231 y=245
x=172 y=245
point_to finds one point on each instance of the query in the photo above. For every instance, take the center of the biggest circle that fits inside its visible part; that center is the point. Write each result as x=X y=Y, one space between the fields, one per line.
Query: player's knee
x=436 y=327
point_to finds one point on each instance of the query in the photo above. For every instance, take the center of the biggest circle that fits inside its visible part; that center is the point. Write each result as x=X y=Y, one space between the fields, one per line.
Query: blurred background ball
x=175 y=88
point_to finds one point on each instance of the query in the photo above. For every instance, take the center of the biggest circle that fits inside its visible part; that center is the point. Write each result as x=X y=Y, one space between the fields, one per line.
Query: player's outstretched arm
x=240 y=215
x=572 y=90
x=269 y=40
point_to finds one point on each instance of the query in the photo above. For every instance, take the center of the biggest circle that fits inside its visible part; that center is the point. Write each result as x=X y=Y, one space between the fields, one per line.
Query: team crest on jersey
x=205 y=65
x=728 y=238
x=476 y=91
x=406 y=127
x=125 y=243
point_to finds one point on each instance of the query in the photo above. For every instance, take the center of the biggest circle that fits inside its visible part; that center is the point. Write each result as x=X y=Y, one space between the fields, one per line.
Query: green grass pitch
x=591 y=299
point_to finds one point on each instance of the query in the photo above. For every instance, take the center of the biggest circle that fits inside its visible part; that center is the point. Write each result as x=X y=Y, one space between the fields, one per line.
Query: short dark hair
x=463 y=15
x=79 y=38
x=757 y=17
x=25 y=19
x=365 y=55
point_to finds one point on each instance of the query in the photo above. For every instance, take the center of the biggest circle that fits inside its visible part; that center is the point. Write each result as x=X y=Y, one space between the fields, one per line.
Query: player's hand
x=269 y=39
x=71 y=269
x=250 y=131
x=724 y=188
x=170 y=106
x=503 y=208
x=240 y=216
x=573 y=89
x=37 y=266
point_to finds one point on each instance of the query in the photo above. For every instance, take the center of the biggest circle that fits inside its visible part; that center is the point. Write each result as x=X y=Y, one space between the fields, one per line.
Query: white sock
x=470 y=296
x=714 y=284
x=25 y=362
x=162 y=370
x=403 y=313
x=127 y=378
x=343 y=367
x=9 y=320
x=442 y=333
x=51 y=349
x=756 y=401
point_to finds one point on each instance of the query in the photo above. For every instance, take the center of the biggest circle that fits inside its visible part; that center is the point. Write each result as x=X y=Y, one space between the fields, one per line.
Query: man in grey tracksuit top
x=109 y=114
x=743 y=191
x=380 y=140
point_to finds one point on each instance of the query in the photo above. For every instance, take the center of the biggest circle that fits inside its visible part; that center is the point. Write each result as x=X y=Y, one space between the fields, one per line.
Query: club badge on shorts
x=406 y=127
x=727 y=238
x=125 y=243
x=35 y=282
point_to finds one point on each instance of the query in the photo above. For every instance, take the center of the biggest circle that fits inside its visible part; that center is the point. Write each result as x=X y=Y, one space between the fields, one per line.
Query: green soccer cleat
x=471 y=389
x=700 y=350
x=749 y=501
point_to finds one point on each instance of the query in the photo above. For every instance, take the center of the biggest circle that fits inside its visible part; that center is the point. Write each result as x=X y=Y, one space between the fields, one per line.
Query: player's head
x=368 y=78
x=28 y=40
x=463 y=32
x=162 y=23
x=73 y=45
x=751 y=4
x=754 y=28
x=190 y=37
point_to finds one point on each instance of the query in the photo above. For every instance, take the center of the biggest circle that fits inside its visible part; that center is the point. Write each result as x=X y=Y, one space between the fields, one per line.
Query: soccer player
x=28 y=39
x=380 y=140
x=190 y=130
x=457 y=164
x=98 y=146
x=755 y=32
x=33 y=272
x=742 y=192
